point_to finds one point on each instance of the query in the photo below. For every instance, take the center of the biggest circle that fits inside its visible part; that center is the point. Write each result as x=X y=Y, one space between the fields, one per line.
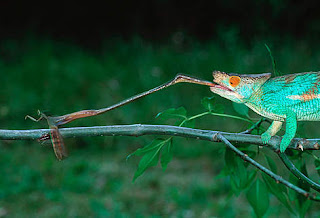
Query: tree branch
x=141 y=129
x=294 y=170
x=255 y=126
x=276 y=177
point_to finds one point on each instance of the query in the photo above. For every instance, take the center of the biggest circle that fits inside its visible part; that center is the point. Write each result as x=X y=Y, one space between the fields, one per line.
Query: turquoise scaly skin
x=289 y=98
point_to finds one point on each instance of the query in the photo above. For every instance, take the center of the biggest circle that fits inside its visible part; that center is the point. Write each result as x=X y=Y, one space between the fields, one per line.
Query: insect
x=55 y=122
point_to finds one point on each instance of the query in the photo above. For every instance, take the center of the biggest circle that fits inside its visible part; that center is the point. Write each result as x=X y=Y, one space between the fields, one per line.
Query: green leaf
x=151 y=154
x=230 y=160
x=166 y=155
x=189 y=123
x=303 y=168
x=302 y=203
x=304 y=207
x=241 y=173
x=241 y=109
x=179 y=113
x=317 y=164
x=155 y=144
x=209 y=103
x=235 y=167
x=149 y=159
x=258 y=197
x=219 y=108
x=241 y=180
x=278 y=190
x=274 y=67
x=271 y=164
x=251 y=177
x=249 y=150
x=234 y=183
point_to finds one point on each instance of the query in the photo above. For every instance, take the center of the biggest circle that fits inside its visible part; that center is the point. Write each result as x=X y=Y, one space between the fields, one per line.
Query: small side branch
x=276 y=177
x=255 y=126
x=293 y=169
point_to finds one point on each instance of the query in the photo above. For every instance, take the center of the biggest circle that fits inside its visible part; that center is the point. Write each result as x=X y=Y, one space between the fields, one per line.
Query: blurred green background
x=96 y=179
x=60 y=70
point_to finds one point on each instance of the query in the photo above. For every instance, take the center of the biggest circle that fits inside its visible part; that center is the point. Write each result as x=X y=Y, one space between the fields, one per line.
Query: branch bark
x=141 y=129
x=293 y=169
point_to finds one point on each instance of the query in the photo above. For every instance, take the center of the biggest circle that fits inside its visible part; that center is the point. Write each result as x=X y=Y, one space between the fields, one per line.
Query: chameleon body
x=288 y=98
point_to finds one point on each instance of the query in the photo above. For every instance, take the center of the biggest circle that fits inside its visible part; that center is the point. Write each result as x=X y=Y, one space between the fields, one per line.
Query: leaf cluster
x=257 y=186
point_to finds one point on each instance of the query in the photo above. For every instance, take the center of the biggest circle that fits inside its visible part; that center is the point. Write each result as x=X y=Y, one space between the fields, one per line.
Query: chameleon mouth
x=217 y=86
x=227 y=93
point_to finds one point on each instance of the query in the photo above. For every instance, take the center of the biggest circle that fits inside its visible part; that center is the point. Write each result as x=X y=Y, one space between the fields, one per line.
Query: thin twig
x=294 y=170
x=276 y=177
x=140 y=129
x=254 y=126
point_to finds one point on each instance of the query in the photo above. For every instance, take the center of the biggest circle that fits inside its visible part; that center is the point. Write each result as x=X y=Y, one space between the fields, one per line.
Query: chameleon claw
x=300 y=147
x=215 y=136
x=265 y=137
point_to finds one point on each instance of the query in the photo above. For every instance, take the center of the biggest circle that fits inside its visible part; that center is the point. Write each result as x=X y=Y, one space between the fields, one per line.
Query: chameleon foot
x=272 y=130
x=265 y=137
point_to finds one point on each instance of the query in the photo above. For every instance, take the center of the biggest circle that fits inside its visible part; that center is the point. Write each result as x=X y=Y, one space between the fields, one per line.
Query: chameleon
x=288 y=98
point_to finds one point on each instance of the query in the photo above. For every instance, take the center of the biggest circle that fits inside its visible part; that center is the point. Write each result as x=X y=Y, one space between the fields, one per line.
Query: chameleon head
x=237 y=87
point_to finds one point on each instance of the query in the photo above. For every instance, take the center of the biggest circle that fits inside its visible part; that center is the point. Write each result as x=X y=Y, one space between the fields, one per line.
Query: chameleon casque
x=289 y=98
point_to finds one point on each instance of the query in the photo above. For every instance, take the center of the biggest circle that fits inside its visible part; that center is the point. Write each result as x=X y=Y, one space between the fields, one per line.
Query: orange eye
x=234 y=81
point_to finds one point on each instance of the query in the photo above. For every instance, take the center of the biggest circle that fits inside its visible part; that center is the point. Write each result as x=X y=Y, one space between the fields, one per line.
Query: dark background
x=92 y=22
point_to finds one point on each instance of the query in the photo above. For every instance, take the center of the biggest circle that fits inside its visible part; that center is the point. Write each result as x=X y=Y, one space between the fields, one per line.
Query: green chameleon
x=289 y=98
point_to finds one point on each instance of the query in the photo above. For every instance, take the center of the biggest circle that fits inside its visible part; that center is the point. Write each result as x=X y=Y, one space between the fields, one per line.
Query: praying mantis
x=55 y=122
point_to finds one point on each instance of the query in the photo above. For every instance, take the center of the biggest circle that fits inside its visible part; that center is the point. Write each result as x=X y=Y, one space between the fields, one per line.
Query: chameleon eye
x=234 y=81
